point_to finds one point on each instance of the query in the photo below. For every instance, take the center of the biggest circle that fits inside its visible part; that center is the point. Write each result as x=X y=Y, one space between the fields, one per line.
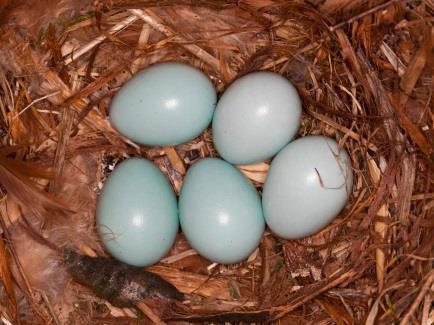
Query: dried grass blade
x=406 y=319
x=349 y=54
x=370 y=320
x=283 y=310
x=394 y=60
x=405 y=186
x=382 y=192
x=417 y=63
x=363 y=14
x=155 y=22
x=337 y=126
x=375 y=88
x=380 y=227
x=89 y=46
x=27 y=194
x=64 y=133
x=413 y=131
x=6 y=277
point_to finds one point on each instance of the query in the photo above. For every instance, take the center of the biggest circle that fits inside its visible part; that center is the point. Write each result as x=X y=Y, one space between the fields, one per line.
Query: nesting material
x=364 y=73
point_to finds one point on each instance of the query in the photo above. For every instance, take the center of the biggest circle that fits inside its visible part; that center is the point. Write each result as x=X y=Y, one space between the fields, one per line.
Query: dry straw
x=365 y=72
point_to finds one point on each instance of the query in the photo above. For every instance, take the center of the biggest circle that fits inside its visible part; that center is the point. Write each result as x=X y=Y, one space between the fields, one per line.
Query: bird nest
x=364 y=70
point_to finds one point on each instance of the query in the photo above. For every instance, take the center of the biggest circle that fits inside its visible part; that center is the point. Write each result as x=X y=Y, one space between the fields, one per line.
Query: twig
x=87 y=47
x=364 y=14
x=149 y=17
x=416 y=303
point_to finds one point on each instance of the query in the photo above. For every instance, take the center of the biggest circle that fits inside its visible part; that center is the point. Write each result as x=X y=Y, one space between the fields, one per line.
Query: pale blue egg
x=166 y=104
x=308 y=184
x=220 y=211
x=137 y=216
x=256 y=117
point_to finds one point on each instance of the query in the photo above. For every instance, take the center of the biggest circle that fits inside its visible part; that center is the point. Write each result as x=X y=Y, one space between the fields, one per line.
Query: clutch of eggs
x=220 y=212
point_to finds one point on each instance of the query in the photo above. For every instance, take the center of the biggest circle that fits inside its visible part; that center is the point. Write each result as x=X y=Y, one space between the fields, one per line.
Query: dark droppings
x=120 y=284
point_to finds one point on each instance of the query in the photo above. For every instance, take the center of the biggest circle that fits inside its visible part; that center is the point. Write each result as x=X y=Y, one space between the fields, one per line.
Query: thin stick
x=149 y=17
x=364 y=14
x=73 y=55
x=149 y=313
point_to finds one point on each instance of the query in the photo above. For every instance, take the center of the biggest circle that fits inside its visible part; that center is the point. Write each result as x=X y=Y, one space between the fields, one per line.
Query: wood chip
x=187 y=282
x=175 y=159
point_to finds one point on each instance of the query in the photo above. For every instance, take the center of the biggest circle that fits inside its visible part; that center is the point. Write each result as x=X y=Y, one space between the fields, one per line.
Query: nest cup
x=364 y=73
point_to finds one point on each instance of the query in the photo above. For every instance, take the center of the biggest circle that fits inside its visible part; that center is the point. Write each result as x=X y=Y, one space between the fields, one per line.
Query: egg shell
x=308 y=184
x=220 y=211
x=137 y=216
x=166 y=104
x=256 y=117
